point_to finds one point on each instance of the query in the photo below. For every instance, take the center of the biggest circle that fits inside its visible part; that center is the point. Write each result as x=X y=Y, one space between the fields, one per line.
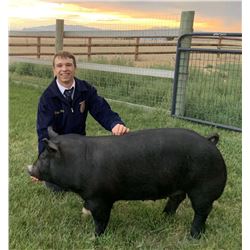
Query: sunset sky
x=223 y=16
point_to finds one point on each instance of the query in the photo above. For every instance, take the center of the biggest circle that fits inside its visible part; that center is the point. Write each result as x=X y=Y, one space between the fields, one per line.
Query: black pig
x=144 y=165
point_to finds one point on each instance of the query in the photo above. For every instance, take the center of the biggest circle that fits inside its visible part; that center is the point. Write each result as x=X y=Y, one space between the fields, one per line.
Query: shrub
x=30 y=69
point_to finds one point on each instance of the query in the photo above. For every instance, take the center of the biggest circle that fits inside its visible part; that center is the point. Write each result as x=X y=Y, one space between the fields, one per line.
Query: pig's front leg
x=100 y=210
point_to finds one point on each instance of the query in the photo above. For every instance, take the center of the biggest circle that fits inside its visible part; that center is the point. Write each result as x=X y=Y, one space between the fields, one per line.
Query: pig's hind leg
x=173 y=202
x=202 y=207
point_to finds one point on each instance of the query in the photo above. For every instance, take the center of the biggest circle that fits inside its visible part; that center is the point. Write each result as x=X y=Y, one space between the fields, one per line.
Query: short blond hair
x=64 y=54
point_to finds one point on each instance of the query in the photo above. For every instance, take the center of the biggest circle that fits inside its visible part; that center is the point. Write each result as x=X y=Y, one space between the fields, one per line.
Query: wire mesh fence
x=150 y=91
x=208 y=88
x=150 y=88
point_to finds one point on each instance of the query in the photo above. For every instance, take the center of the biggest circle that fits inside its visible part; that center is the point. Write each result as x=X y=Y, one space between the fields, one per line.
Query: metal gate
x=208 y=81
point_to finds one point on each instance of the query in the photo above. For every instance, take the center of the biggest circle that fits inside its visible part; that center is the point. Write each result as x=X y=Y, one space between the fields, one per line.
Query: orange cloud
x=215 y=25
x=119 y=15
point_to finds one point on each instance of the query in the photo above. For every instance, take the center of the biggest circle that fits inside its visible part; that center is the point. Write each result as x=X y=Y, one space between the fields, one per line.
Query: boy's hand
x=119 y=129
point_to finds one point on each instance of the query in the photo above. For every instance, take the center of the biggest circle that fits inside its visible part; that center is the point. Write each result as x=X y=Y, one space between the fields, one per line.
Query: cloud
x=230 y=10
x=225 y=13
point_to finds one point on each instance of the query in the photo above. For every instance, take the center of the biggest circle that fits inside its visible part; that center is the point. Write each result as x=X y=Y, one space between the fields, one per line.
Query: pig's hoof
x=86 y=212
x=196 y=234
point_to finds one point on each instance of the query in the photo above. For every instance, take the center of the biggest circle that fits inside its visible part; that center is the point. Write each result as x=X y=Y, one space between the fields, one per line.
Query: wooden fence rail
x=138 y=42
x=40 y=44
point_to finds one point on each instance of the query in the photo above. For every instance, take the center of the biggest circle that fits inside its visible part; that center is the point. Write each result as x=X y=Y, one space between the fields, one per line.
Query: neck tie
x=68 y=94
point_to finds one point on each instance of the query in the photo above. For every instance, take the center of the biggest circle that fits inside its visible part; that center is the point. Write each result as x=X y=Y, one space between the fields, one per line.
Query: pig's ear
x=50 y=145
x=51 y=132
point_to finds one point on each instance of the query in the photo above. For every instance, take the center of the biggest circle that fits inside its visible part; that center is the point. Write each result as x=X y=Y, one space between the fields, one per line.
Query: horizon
x=85 y=28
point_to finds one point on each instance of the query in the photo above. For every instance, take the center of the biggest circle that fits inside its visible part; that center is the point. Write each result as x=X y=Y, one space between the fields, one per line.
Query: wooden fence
x=41 y=44
x=90 y=43
x=87 y=42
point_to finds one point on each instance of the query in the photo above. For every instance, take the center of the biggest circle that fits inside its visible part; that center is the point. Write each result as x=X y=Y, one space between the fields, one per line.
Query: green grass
x=117 y=60
x=39 y=219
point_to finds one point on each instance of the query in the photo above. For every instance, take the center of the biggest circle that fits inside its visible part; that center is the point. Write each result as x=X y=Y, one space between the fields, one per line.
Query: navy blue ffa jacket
x=54 y=110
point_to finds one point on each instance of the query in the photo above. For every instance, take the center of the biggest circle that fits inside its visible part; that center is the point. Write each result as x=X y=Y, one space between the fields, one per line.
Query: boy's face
x=64 y=70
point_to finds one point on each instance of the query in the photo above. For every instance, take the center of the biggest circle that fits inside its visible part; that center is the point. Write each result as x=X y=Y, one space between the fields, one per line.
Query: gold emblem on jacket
x=82 y=106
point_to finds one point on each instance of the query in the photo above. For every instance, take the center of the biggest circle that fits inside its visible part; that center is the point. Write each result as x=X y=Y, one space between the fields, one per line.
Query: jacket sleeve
x=101 y=111
x=44 y=120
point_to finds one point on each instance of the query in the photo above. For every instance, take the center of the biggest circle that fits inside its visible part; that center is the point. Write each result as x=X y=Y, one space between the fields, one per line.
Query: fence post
x=38 y=47
x=89 y=48
x=59 y=34
x=137 y=48
x=219 y=45
x=186 y=26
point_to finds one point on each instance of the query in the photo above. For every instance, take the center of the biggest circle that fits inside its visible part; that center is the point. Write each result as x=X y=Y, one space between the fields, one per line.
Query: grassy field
x=39 y=219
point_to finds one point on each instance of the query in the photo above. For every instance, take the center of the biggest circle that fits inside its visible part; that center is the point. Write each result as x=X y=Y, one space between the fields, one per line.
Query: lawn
x=39 y=219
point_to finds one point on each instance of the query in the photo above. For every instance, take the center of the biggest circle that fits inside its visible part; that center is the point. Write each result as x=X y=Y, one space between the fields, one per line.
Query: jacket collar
x=55 y=92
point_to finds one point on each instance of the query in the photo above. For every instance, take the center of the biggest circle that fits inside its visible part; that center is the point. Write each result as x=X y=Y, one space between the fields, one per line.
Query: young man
x=66 y=102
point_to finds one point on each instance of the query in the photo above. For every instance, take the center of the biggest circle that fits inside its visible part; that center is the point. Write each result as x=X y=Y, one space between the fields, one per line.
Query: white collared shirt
x=62 y=88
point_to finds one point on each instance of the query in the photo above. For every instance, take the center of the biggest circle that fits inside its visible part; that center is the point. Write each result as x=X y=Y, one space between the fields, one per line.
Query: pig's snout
x=34 y=173
x=30 y=167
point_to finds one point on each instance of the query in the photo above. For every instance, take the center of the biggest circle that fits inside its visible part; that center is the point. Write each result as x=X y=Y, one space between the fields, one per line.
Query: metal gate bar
x=183 y=85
